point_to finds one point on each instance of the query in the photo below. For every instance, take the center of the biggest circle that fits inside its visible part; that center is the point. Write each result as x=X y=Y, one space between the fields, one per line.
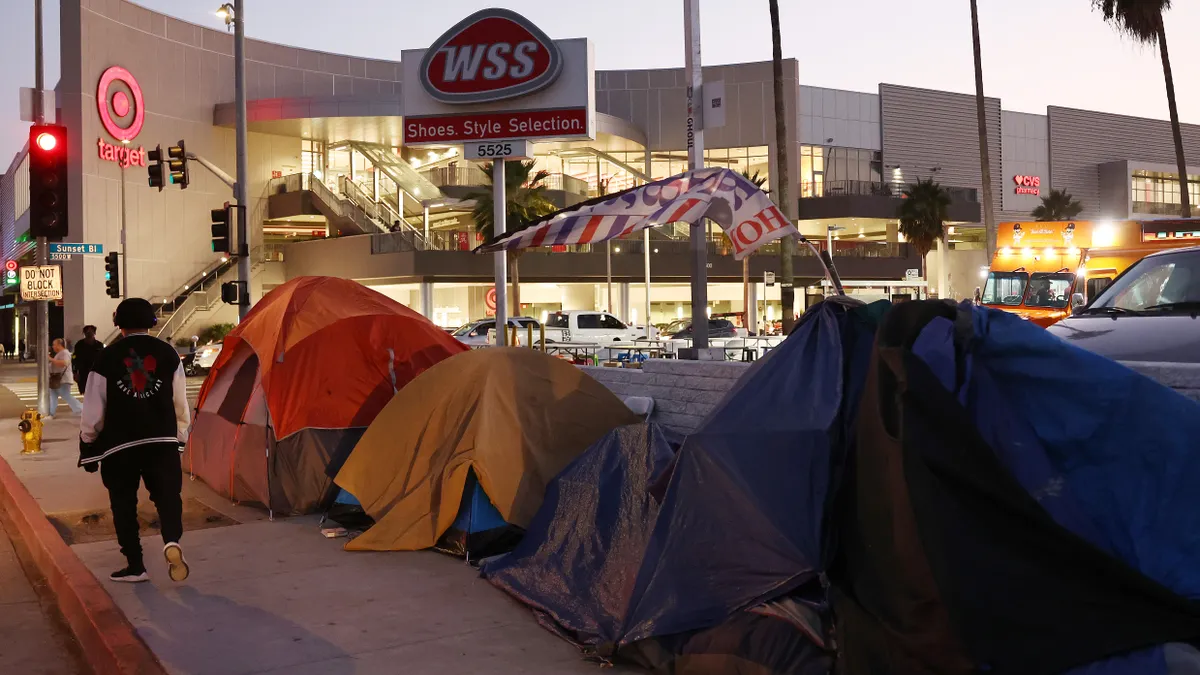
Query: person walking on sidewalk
x=61 y=380
x=135 y=422
x=84 y=357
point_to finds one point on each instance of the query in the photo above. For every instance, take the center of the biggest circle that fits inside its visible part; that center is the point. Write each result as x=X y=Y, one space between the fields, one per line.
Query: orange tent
x=296 y=384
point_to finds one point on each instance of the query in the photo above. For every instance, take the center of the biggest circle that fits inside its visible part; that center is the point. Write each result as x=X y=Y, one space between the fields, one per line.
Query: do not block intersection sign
x=42 y=282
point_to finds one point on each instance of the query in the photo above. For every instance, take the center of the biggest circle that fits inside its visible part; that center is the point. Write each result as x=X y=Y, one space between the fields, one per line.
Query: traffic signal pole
x=239 y=69
x=124 y=246
x=41 y=307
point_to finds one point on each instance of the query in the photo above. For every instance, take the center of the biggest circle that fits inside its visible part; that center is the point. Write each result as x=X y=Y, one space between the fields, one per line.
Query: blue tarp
x=1111 y=455
x=742 y=519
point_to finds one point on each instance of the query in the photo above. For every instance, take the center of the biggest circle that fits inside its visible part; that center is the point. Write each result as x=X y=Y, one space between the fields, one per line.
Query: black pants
x=123 y=472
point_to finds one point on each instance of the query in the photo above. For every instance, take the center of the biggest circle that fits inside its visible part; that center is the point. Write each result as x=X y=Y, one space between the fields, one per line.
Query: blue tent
x=1111 y=455
x=744 y=502
x=1015 y=505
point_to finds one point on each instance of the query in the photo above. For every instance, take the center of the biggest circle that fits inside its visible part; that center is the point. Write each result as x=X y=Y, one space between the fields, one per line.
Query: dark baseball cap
x=135 y=314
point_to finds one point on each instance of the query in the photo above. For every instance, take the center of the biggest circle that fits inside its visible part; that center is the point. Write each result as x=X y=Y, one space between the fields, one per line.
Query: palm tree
x=922 y=215
x=787 y=247
x=525 y=192
x=1142 y=20
x=750 y=319
x=1058 y=205
x=985 y=167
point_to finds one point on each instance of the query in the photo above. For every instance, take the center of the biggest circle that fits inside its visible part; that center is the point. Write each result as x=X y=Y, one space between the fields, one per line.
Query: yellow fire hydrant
x=31 y=432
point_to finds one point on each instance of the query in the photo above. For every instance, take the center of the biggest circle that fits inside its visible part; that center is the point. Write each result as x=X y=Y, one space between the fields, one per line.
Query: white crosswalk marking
x=27 y=392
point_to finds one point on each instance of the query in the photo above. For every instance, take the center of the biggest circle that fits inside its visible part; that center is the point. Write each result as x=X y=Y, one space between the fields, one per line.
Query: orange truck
x=1040 y=266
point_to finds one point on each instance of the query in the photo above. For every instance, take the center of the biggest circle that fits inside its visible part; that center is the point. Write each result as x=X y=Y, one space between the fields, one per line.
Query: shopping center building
x=334 y=190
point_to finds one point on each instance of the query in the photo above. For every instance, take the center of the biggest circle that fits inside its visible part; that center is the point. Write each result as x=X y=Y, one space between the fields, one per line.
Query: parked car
x=589 y=326
x=476 y=332
x=1148 y=313
x=717 y=329
x=205 y=357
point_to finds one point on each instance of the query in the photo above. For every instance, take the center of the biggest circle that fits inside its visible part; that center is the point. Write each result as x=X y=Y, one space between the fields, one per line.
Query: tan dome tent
x=507 y=420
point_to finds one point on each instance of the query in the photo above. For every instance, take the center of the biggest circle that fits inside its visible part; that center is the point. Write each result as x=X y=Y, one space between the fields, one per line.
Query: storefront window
x=1157 y=192
x=838 y=171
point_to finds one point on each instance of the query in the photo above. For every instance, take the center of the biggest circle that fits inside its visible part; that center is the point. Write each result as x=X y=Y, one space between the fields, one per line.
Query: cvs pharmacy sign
x=492 y=55
x=1028 y=185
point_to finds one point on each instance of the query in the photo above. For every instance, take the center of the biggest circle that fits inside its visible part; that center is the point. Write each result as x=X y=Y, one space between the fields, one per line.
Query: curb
x=110 y=643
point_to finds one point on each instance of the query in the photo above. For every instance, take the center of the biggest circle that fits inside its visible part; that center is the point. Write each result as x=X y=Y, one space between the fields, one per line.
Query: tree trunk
x=787 y=246
x=985 y=165
x=1184 y=198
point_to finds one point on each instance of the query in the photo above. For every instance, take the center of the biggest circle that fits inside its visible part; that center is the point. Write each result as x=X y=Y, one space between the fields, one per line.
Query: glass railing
x=456 y=176
x=865 y=188
x=570 y=184
x=1158 y=208
x=465 y=241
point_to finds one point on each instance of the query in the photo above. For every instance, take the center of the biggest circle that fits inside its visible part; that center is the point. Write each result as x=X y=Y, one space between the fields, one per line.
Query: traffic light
x=222 y=219
x=112 y=275
x=156 y=168
x=177 y=168
x=231 y=292
x=48 y=181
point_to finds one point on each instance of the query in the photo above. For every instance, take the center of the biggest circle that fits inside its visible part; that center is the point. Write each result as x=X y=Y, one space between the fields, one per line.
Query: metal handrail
x=359 y=198
x=202 y=299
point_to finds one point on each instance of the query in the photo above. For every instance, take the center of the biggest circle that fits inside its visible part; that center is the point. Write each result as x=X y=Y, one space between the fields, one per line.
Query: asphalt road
x=21 y=379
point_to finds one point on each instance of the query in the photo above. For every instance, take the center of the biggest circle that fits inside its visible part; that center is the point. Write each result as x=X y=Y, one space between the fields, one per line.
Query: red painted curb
x=110 y=643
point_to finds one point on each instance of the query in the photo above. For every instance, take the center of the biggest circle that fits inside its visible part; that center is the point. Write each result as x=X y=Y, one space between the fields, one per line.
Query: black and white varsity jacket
x=136 y=395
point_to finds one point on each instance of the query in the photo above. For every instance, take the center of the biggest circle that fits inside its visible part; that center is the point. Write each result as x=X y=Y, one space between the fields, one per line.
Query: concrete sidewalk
x=34 y=641
x=277 y=597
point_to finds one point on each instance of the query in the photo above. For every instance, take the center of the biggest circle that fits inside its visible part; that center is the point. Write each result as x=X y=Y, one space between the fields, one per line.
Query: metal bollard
x=529 y=335
x=542 y=336
x=30 y=427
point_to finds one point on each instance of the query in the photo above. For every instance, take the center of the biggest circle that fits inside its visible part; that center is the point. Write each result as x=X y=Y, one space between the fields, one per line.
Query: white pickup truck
x=589 y=326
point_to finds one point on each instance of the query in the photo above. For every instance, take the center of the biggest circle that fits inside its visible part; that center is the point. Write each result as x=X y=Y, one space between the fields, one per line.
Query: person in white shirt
x=61 y=380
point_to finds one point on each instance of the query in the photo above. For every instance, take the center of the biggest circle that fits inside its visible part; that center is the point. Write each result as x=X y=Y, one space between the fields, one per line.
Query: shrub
x=214 y=333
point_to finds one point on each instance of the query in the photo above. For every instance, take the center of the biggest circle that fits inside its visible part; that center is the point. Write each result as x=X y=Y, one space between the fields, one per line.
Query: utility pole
x=243 y=212
x=695 y=143
x=41 y=307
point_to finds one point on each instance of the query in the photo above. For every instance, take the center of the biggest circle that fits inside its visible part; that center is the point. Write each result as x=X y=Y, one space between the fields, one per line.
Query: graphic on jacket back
x=139 y=380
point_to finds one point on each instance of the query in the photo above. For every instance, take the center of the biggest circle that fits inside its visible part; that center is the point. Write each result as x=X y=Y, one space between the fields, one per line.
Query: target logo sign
x=489 y=300
x=119 y=99
x=122 y=112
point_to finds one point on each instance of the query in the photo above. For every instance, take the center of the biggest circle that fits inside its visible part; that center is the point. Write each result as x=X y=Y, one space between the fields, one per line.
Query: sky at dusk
x=1036 y=52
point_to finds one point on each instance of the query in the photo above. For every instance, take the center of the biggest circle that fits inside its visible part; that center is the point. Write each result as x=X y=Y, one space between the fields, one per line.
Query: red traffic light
x=10 y=265
x=47 y=141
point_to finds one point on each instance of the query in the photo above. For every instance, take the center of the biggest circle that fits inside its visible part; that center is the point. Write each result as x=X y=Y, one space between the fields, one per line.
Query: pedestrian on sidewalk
x=135 y=422
x=61 y=380
x=84 y=356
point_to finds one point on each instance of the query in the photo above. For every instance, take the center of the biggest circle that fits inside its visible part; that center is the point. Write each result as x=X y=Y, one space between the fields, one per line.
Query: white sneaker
x=177 y=567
